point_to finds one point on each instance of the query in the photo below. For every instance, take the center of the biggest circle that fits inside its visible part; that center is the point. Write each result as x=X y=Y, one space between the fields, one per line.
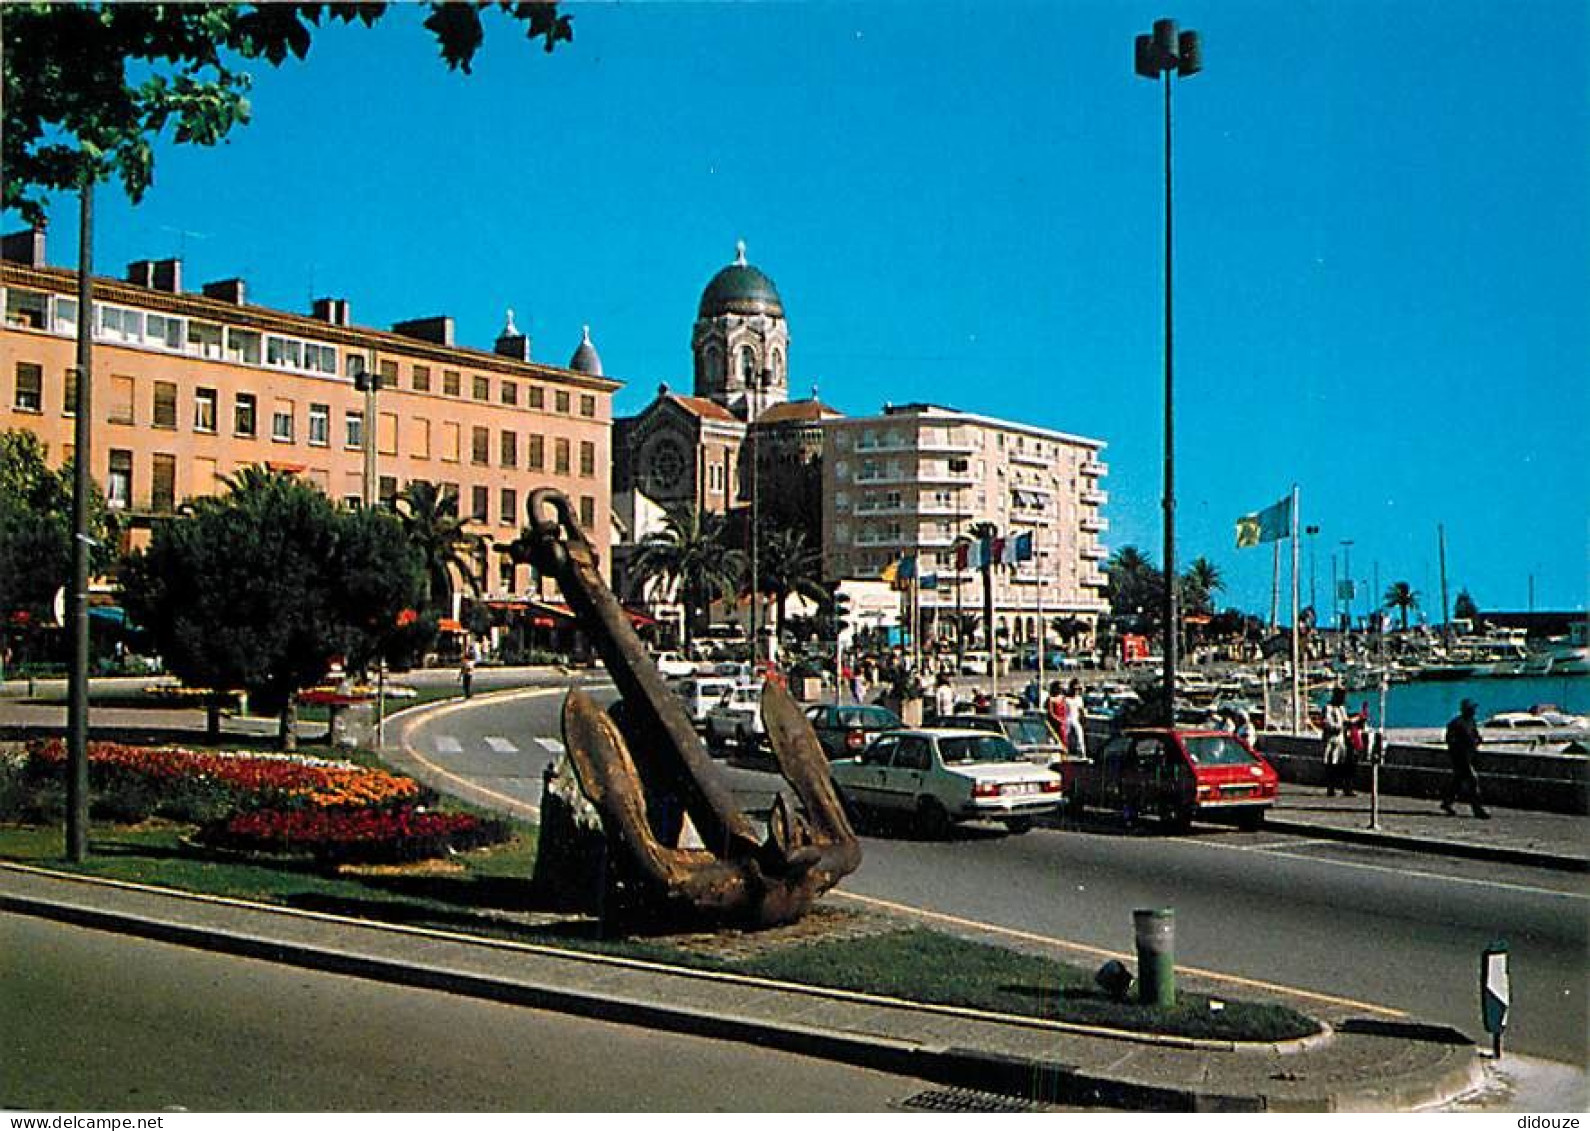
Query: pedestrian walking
x=466 y=673
x=1357 y=746
x=1059 y=712
x=1076 y=741
x=1462 y=744
x=1333 y=729
x=943 y=697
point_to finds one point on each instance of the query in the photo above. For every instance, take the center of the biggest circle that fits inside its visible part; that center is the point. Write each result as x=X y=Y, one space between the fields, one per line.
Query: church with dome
x=696 y=449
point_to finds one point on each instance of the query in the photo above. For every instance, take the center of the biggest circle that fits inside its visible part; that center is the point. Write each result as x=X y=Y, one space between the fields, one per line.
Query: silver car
x=940 y=776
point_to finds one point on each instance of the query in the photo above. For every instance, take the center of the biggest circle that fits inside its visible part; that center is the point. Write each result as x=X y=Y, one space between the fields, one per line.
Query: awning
x=640 y=620
x=448 y=624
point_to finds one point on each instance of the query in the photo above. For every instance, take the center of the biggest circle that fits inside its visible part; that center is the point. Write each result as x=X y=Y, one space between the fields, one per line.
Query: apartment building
x=190 y=387
x=914 y=479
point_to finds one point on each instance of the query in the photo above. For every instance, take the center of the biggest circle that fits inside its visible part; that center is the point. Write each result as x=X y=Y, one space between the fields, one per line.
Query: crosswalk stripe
x=550 y=745
x=447 y=744
x=501 y=745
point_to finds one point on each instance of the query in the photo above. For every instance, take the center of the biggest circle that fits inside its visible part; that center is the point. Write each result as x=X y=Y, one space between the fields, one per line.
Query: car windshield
x=866 y=718
x=965 y=749
x=1217 y=750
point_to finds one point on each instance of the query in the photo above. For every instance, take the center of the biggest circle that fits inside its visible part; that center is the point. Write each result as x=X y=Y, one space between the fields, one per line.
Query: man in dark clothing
x=1462 y=744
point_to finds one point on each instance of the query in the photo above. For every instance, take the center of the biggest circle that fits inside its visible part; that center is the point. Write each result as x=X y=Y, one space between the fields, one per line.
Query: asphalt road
x=1384 y=928
x=101 y=1022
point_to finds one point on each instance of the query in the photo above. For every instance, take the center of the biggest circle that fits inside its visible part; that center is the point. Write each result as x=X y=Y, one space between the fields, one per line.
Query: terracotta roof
x=797 y=410
x=701 y=406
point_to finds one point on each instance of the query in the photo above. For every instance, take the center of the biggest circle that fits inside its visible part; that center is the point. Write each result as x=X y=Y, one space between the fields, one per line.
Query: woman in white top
x=1334 y=731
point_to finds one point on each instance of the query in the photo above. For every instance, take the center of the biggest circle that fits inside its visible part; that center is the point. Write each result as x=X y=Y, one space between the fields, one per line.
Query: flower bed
x=363 y=836
x=334 y=811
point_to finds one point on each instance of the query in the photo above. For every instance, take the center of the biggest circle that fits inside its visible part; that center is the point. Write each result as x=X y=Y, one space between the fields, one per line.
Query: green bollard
x=1156 y=956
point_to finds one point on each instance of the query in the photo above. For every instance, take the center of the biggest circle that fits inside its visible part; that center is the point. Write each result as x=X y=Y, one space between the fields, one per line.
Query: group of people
x=1346 y=742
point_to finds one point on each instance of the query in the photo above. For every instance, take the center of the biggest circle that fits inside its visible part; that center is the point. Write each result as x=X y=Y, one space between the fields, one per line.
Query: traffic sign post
x=1495 y=993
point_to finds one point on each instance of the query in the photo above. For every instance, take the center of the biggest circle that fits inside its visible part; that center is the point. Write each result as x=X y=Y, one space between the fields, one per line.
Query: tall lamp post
x=1159 y=54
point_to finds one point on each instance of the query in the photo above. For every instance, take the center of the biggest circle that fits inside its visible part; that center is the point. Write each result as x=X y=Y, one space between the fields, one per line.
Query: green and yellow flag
x=1269 y=525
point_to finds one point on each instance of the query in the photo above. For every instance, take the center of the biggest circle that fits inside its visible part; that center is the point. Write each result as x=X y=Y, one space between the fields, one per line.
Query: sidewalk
x=1513 y=836
x=1365 y=1063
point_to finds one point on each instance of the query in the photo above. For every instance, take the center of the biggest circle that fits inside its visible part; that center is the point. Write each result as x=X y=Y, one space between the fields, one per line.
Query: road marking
x=447 y=744
x=1499 y=885
x=500 y=745
x=1100 y=952
x=551 y=745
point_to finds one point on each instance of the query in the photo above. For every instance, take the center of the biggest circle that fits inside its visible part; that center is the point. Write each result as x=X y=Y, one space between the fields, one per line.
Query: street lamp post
x=1159 y=54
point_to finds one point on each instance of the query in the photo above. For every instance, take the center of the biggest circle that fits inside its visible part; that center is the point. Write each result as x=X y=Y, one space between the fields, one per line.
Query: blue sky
x=1382 y=238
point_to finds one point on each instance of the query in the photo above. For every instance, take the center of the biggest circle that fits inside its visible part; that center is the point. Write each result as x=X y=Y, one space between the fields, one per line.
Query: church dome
x=585 y=359
x=740 y=289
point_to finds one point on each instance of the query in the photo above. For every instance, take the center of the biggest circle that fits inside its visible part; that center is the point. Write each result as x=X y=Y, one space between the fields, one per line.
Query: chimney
x=25 y=247
x=437 y=329
x=333 y=310
x=511 y=343
x=227 y=290
x=157 y=275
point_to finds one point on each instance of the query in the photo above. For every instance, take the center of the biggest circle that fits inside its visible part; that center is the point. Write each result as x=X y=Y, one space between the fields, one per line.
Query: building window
x=509 y=500
x=163 y=483
x=420 y=439
x=536 y=457
x=320 y=425
x=562 y=401
x=481 y=388
x=509 y=446
x=587 y=512
x=282 y=422
x=388 y=491
x=389 y=373
x=560 y=456
x=510 y=393
x=353 y=428
x=450 y=382
x=480 y=504
x=353 y=365
x=450 y=441
x=204 y=410
x=65 y=320
x=118 y=483
x=588 y=406
x=69 y=388
x=480 y=446
x=30 y=387
x=386 y=434
x=243 y=415
x=26 y=309
x=165 y=410
x=204 y=339
x=747 y=366
x=243 y=346
x=284 y=353
x=587 y=459
x=422 y=378
x=536 y=397
x=120 y=410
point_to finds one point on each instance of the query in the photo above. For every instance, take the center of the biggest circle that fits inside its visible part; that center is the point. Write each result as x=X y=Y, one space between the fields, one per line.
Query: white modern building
x=918 y=478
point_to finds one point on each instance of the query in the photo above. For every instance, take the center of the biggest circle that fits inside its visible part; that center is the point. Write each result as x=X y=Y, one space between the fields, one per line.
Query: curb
x=1431 y=845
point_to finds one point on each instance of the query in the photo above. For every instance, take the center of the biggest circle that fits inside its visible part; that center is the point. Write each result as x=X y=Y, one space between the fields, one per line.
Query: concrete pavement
x=1367 y=1059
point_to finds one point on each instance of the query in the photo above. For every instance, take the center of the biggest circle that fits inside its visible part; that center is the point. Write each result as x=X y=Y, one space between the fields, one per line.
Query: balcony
x=1094 y=523
x=1094 y=497
x=1095 y=469
x=1095 y=553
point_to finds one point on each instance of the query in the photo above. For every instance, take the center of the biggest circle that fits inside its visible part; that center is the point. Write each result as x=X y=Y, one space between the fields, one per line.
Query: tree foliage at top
x=788 y=567
x=1134 y=585
x=36 y=527
x=1402 y=597
x=691 y=556
x=88 y=88
x=433 y=527
x=260 y=588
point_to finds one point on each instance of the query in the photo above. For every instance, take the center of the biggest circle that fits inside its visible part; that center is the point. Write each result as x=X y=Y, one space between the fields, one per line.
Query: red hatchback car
x=1177 y=775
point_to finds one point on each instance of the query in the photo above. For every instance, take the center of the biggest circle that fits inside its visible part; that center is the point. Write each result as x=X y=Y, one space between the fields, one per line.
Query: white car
x=701 y=693
x=673 y=665
x=940 y=776
x=736 y=718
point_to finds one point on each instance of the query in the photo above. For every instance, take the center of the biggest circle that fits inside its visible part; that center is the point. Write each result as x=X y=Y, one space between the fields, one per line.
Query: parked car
x=700 y=693
x=940 y=776
x=974 y=663
x=736 y=718
x=844 y=729
x=673 y=666
x=1178 y=775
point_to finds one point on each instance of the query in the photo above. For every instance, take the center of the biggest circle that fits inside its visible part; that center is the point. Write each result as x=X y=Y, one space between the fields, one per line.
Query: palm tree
x=1400 y=596
x=432 y=525
x=691 y=556
x=787 y=567
x=1134 y=584
x=1199 y=585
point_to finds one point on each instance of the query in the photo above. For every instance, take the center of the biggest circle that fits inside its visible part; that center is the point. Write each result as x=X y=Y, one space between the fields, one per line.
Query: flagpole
x=1297 y=663
x=1043 y=633
x=1275 y=584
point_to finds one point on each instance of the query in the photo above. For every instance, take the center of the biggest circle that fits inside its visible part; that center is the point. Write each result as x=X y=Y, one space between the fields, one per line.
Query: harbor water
x=1433 y=703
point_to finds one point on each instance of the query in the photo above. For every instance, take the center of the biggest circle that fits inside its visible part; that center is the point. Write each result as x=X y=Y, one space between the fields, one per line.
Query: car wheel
x=1019 y=825
x=932 y=818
